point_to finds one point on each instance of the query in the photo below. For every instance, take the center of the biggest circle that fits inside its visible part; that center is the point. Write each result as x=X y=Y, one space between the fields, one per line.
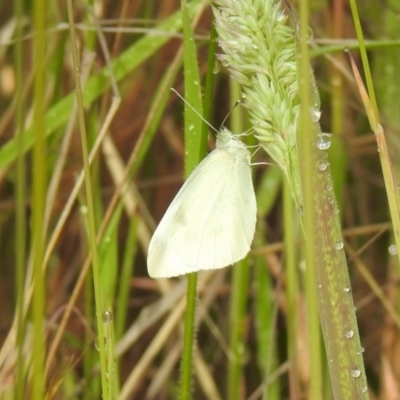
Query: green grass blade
x=21 y=218
x=306 y=153
x=126 y=273
x=239 y=289
x=98 y=295
x=38 y=201
x=193 y=149
x=194 y=140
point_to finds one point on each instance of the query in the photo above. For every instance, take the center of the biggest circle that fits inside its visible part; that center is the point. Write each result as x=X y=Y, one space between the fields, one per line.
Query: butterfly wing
x=211 y=222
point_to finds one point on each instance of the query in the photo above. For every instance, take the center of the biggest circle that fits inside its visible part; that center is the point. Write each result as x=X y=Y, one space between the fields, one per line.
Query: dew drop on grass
x=309 y=34
x=329 y=187
x=339 y=245
x=393 y=249
x=83 y=209
x=324 y=141
x=315 y=114
x=217 y=67
x=240 y=349
x=355 y=372
x=346 y=289
x=349 y=334
x=225 y=63
x=323 y=166
x=107 y=316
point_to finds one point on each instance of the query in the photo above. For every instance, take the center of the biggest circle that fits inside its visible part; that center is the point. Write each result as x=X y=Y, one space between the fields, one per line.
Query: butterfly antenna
x=230 y=112
x=194 y=110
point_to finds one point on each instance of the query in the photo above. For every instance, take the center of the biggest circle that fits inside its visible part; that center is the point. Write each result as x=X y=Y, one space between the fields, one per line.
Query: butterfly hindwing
x=211 y=222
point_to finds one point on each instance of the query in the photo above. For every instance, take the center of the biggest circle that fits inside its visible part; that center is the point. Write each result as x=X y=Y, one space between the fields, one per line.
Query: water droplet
x=83 y=209
x=243 y=95
x=346 y=49
x=302 y=265
x=191 y=127
x=254 y=46
x=225 y=63
x=330 y=200
x=364 y=389
x=301 y=209
x=361 y=350
x=319 y=286
x=324 y=141
x=96 y=344
x=107 y=316
x=329 y=187
x=355 y=372
x=309 y=34
x=339 y=245
x=315 y=114
x=323 y=166
x=217 y=67
x=347 y=289
x=349 y=334
x=393 y=249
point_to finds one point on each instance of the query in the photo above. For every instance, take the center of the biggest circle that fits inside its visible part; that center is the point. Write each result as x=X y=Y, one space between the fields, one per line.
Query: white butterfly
x=211 y=222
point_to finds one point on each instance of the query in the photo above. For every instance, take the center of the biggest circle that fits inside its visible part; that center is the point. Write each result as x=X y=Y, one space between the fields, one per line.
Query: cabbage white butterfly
x=211 y=222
